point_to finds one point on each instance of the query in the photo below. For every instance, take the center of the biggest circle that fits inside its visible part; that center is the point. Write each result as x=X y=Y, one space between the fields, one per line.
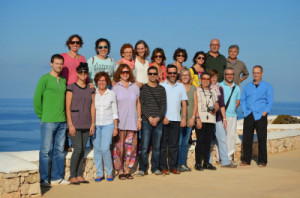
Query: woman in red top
x=158 y=59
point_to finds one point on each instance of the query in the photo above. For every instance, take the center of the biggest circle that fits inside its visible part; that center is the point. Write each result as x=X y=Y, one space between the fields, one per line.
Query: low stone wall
x=19 y=175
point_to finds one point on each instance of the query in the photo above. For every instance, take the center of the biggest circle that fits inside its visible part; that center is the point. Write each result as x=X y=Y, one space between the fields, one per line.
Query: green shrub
x=285 y=119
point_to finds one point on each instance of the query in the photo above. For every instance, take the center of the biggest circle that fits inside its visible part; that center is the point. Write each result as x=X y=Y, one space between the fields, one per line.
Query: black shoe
x=198 y=167
x=209 y=166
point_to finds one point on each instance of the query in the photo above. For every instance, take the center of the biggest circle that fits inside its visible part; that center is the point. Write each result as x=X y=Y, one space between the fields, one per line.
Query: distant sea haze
x=20 y=127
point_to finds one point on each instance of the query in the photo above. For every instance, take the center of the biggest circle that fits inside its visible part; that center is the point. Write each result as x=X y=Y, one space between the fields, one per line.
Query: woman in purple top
x=80 y=111
x=129 y=110
x=221 y=123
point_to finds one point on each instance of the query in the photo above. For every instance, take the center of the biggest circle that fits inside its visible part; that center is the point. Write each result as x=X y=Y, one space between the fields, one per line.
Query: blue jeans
x=102 y=140
x=154 y=134
x=222 y=143
x=52 y=137
x=184 y=136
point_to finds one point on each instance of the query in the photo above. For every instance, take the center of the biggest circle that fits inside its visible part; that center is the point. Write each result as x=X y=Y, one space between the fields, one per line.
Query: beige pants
x=231 y=134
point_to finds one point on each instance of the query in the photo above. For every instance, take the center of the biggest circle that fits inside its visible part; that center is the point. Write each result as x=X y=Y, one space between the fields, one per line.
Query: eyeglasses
x=158 y=56
x=172 y=73
x=127 y=52
x=200 y=57
x=83 y=71
x=154 y=74
x=229 y=74
x=214 y=44
x=205 y=78
x=124 y=72
x=75 y=42
x=180 y=55
x=105 y=47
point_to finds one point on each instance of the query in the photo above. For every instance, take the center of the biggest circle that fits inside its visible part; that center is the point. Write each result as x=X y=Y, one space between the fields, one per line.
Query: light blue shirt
x=175 y=94
x=236 y=95
x=257 y=100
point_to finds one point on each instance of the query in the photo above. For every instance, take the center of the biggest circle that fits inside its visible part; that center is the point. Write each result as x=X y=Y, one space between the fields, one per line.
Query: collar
x=208 y=54
x=224 y=83
x=258 y=83
x=227 y=60
x=167 y=82
x=106 y=92
x=119 y=83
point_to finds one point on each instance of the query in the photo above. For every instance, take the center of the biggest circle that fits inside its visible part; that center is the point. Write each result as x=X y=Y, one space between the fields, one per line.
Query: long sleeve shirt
x=49 y=99
x=151 y=107
x=258 y=99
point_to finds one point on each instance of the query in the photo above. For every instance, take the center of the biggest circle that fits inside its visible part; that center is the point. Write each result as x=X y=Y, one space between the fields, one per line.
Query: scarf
x=216 y=88
x=129 y=63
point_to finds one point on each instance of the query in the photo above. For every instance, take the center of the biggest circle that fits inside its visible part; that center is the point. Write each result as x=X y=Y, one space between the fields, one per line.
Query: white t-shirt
x=206 y=99
x=141 y=71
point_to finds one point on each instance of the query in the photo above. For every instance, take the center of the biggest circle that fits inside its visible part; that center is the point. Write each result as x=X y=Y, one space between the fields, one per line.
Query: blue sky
x=266 y=31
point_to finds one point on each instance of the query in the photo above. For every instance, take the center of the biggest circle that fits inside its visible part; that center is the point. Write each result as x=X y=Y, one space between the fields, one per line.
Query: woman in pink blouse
x=158 y=59
x=127 y=56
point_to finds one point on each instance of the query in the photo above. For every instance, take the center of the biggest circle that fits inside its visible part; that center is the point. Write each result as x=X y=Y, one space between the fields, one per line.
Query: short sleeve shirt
x=236 y=95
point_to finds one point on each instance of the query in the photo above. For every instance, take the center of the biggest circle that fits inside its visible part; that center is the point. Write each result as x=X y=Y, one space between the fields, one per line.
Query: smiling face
x=233 y=53
x=228 y=75
x=103 y=49
x=140 y=48
x=205 y=81
x=180 y=57
x=57 y=65
x=124 y=75
x=185 y=77
x=214 y=45
x=172 y=74
x=158 y=58
x=214 y=79
x=200 y=59
x=152 y=75
x=75 y=44
x=102 y=85
x=82 y=75
x=127 y=54
x=257 y=74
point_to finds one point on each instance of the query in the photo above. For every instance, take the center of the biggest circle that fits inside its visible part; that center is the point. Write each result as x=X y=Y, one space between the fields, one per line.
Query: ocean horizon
x=20 y=127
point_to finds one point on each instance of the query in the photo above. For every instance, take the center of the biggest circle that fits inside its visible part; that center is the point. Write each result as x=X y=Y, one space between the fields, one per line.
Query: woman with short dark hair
x=180 y=56
x=80 y=112
x=198 y=67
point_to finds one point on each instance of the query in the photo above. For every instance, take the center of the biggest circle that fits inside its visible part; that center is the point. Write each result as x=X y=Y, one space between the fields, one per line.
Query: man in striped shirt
x=153 y=103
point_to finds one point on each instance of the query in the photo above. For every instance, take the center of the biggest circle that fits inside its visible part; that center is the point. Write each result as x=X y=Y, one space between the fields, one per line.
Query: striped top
x=149 y=104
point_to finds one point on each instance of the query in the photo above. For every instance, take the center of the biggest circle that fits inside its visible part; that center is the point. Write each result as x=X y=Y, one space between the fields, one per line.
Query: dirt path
x=281 y=178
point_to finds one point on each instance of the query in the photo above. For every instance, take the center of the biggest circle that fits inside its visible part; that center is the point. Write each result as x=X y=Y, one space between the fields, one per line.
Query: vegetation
x=286 y=119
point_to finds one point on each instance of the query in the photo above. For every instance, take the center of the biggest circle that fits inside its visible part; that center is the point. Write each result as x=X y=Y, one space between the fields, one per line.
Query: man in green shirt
x=215 y=60
x=49 y=106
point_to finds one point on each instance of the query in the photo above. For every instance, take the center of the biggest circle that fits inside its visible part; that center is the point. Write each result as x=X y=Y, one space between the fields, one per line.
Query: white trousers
x=231 y=134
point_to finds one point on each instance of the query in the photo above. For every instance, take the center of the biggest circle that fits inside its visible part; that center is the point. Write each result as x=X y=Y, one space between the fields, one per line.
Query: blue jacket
x=257 y=100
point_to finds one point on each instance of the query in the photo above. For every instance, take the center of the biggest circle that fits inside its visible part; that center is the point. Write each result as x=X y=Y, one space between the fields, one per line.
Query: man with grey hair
x=232 y=96
x=238 y=66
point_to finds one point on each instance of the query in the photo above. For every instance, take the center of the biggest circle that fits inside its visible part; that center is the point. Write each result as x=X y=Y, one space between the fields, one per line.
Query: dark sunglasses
x=170 y=73
x=77 y=42
x=124 y=72
x=158 y=56
x=229 y=74
x=180 y=55
x=105 y=47
x=150 y=74
x=205 y=78
x=200 y=57
x=83 y=71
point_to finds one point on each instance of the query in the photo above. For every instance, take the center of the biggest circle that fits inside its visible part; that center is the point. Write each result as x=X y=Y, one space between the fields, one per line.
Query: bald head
x=214 y=45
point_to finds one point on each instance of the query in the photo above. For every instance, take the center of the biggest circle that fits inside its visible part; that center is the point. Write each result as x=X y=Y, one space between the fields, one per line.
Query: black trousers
x=204 y=137
x=248 y=131
x=169 y=145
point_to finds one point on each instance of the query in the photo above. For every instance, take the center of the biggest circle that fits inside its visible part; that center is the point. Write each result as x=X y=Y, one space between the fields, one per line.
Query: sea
x=20 y=127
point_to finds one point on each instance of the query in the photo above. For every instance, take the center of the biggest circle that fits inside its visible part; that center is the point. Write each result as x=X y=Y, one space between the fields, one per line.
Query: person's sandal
x=129 y=176
x=122 y=177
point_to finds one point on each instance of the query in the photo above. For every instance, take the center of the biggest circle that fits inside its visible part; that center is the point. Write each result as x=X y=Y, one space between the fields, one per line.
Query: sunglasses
x=229 y=74
x=75 y=42
x=83 y=71
x=105 y=47
x=205 y=78
x=124 y=72
x=150 y=74
x=170 y=73
x=180 y=55
x=200 y=57
x=158 y=56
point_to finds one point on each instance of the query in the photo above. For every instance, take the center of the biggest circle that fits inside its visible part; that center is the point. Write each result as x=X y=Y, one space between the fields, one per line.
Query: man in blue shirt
x=176 y=97
x=232 y=96
x=257 y=100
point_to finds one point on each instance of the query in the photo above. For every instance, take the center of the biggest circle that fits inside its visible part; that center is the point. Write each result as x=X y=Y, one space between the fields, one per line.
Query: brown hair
x=213 y=72
x=119 y=70
x=159 y=50
x=68 y=42
x=100 y=75
x=126 y=45
x=186 y=70
x=147 y=51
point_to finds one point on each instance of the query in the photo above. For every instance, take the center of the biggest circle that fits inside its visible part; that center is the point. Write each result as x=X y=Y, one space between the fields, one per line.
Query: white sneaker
x=60 y=182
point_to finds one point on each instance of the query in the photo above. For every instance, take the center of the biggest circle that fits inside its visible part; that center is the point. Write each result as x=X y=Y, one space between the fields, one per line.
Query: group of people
x=112 y=102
